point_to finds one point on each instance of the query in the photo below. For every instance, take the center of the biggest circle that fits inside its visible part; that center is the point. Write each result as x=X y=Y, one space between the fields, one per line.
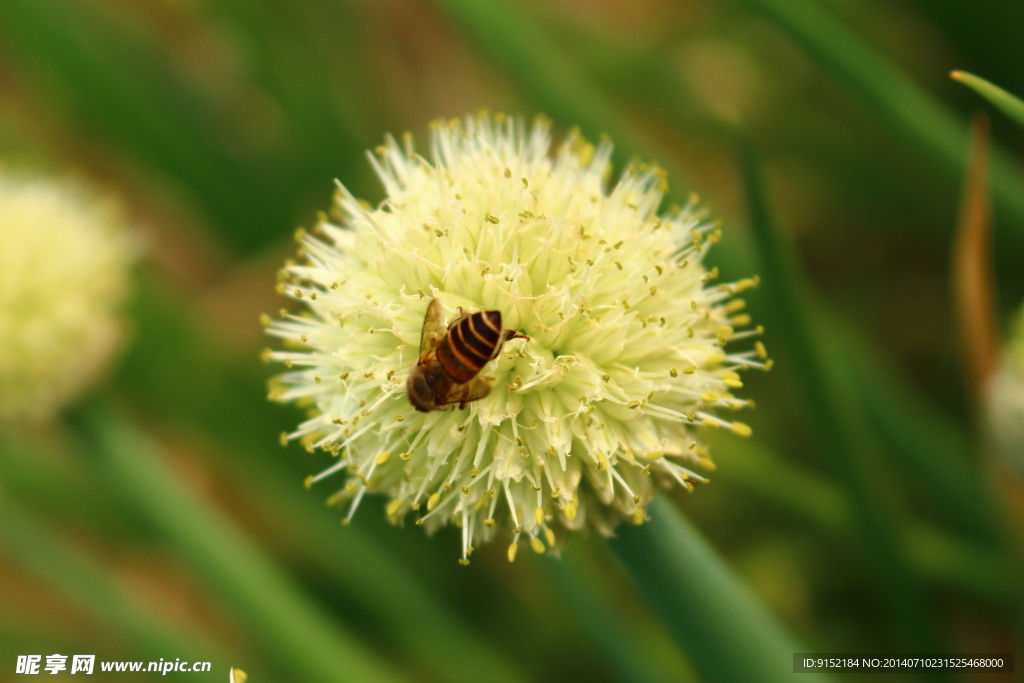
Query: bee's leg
x=510 y=334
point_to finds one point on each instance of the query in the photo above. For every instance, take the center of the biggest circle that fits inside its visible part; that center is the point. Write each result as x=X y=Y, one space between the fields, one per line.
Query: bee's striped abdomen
x=469 y=345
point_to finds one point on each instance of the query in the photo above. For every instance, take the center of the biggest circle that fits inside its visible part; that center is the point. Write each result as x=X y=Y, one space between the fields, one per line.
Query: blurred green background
x=860 y=513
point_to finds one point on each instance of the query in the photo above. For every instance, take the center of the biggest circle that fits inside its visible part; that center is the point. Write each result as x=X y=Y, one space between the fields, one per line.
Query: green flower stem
x=29 y=542
x=633 y=657
x=727 y=632
x=418 y=621
x=295 y=632
x=1011 y=105
x=911 y=111
x=835 y=417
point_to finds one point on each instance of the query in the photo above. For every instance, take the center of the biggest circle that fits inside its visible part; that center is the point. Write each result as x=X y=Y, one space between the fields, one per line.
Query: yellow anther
x=732 y=379
x=713 y=424
x=550 y=536
x=741 y=429
x=383 y=456
x=768 y=364
x=489 y=522
x=433 y=501
x=537 y=545
x=309 y=481
x=673 y=372
x=709 y=397
x=570 y=510
x=512 y=550
x=539 y=514
x=394 y=506
x=762 y=352
x=735 y=306
x=405 y=456
x=741 y=320
x=714 y=359
x=748 y=283
x=463 y=561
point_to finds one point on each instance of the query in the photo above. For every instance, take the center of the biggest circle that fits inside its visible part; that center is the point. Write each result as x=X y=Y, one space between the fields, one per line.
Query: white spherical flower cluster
x=64 y=273
x=624 y=363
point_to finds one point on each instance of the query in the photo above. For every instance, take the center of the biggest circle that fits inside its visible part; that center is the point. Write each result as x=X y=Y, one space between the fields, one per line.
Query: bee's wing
x=433 y=328
x=472 y=390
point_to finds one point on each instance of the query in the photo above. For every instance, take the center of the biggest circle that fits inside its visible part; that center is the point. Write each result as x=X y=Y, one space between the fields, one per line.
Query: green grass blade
x=295 y=632
x=535 y=61
x=552 y=79
x=125 y=93
x=419 y=622
x=929 y=442
x=727 y=632
x=917 y=116
x=1010 y=105
x=840 y=427
x=942 y=558
x=30 y=543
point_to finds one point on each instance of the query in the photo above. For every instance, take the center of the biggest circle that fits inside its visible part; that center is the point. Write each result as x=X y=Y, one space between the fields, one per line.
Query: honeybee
x=450 y=359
